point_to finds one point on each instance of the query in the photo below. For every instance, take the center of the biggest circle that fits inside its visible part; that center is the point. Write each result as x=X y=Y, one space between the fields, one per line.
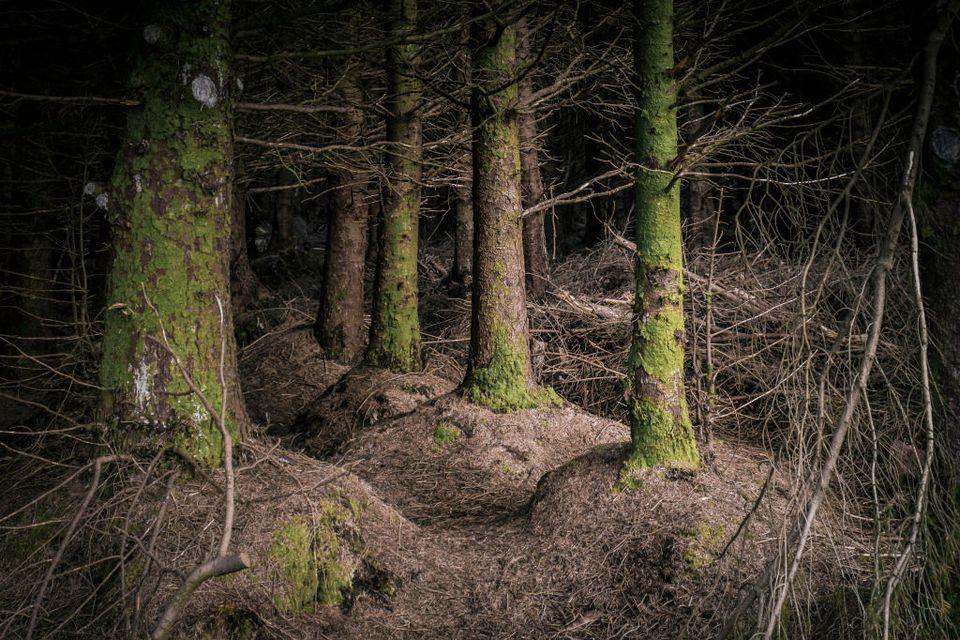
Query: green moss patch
x=445 y=433
x=317 y=560
x=292 y=550
x=703 y=542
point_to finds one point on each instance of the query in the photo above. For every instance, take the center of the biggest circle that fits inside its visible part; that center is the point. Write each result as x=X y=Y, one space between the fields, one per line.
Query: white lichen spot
x=138 y=182
x=185 y=72
x=90 y=188
x=103 y=200
x=141 y=385
x=199 y=416
x=239 y=85
x=946 y=144
x=205 y=91
x=151 y=33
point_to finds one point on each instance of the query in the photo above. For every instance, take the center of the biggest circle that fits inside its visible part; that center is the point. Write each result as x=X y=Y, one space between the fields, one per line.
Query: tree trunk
x=463 y=194
x=339 y=326
x=700 y=209
x=169 y=202
x=499 y=371
x=284 y=202
x=534 y=238
x=463 y=234
x=245 y=287
x=395 y=324
x=660 y=427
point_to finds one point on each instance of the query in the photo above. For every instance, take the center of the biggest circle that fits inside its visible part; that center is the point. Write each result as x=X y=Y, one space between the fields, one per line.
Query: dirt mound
x=362 y=396
x=669 y=557
x=284 y=371
x=451 y=459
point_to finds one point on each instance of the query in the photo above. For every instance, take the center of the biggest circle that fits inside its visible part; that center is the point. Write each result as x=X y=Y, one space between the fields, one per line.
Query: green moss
x=292 y=551
x=659 y=439
x=234 y=623
x=395 y=324
x=703 y=541
x=445 y=433
x=317 y=560
x=333 y=577
x=502 y=385
x=170 y=212
x=23 y=544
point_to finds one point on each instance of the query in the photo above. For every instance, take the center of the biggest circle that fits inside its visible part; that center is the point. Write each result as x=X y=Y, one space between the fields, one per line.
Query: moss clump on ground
x=315 y=559
x=22 y=543
x=234 y=623
x=292 y=550
x=445 y=433
x=704 y=539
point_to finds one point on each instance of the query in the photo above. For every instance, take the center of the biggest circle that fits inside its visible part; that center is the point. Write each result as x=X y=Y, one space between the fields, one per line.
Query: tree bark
x=700 y=209
x=245 y=287
x=281 y=238
x=463 y=201
x=395 y=324
x=534 y=237
x=660 y=427
x=499 y=372
x=339 y=326
x=169 y=202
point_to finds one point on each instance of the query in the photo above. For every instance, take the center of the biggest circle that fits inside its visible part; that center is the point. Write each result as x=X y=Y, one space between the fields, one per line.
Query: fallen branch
x=219 y=566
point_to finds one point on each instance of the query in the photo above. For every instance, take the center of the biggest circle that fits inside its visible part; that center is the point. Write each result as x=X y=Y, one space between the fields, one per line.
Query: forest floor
x=451 y=521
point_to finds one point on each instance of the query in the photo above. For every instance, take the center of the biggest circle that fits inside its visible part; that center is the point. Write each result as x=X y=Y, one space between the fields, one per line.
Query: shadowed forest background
x=477 y=319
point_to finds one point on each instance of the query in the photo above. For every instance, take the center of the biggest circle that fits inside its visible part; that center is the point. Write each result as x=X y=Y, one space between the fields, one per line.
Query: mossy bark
x=660 y=427
x=339 y=326
x=534 y=237
x=499 y=371
x=395 y=324
x=169 y=204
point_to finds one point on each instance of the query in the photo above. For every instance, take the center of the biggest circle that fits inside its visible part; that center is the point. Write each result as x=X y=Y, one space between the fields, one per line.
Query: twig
x=94 y=484
x=222 y=563
x=219 y=566
x=897 y=573
x=800 y=533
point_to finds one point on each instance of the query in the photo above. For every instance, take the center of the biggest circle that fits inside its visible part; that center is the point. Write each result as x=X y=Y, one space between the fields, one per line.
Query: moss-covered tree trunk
x=499 y=371
x=339 y=326
x=660 y=426
x=534 y=237
x=169 y=202
x=395 y=325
